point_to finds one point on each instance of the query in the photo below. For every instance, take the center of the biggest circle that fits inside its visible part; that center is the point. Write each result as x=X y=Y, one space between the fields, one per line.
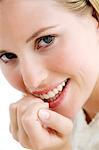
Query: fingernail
x=43 y=114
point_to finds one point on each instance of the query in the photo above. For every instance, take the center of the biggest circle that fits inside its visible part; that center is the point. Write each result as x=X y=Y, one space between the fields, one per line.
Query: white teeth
x=46 y=96
x=51 y=94
x=59 y=88
x=55 y=91
x=42 y=96
x=36 y=95
x=63 y=84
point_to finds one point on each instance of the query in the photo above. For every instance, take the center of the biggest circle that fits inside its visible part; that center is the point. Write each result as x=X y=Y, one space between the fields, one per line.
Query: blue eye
x=45 y=41
x=7 y=56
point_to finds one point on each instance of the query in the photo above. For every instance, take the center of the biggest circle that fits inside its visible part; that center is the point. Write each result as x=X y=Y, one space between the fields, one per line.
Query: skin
x=37 y=68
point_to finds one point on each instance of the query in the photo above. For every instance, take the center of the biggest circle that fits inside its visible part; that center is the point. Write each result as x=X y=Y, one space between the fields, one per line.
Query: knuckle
x=12 y=107
x=31 y=113
x=26 y=119
x=26 y=103
x=39 y=105
x=29 y=97
x=21 y=108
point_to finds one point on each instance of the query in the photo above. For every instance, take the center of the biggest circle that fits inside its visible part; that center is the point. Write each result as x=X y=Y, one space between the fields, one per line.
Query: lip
x=60 y=99
x=45 y=91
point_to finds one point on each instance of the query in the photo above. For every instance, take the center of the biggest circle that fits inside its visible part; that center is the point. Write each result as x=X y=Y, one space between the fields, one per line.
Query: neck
x=92 y=105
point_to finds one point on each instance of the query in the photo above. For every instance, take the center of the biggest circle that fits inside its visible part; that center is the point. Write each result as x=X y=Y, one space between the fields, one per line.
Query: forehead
x=21 y=17
x=21 y=8
x=17 y=13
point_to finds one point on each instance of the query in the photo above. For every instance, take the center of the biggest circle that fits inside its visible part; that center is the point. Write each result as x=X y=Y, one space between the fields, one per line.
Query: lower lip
x=60 y=99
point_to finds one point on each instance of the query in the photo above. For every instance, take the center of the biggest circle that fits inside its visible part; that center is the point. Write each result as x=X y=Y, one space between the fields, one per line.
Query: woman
x=50 y=52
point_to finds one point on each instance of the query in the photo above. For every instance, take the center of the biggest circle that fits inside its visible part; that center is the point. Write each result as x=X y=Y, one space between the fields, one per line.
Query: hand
x=38 y=128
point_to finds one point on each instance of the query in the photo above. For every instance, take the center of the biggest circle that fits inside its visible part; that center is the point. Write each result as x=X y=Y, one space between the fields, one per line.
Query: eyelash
x=37 y=46
x=51 y=41
x=7 y=55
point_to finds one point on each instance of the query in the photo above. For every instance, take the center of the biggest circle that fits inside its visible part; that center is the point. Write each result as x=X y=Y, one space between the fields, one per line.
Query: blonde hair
x=81 y=6
x=95 y=4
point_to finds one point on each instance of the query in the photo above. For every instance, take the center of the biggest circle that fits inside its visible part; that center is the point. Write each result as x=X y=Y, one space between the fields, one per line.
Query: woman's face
x=43 y=45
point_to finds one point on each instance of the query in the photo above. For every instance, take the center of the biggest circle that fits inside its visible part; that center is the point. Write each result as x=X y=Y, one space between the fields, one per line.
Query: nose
x=33 y=72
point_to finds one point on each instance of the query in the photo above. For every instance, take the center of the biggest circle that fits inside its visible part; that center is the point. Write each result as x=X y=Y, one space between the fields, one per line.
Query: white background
x=7 y=95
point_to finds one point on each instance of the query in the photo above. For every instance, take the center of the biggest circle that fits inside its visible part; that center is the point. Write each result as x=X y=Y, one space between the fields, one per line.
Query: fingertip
x=43 y=114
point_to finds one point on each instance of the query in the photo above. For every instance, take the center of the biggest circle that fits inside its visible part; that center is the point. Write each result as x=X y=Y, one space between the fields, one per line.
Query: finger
x=56 y=121
x=13 y=120
x=30 y=97
x=22 y=106
x=22 y=136
x=33 y=126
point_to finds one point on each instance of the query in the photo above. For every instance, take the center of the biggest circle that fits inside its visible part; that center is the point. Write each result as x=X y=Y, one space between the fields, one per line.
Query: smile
x=53 y=94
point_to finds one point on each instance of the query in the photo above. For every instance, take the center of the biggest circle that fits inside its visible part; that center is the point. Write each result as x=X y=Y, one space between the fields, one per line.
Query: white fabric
x=86 y=136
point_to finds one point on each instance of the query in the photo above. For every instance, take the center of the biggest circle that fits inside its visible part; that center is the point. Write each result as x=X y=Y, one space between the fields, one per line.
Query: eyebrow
x=34 y=35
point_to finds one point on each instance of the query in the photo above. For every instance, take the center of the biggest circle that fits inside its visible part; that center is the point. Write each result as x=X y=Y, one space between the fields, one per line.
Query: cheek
x=76 y=63
x=14 y=78
x=73 y=56
x=64 y=61
x=80 y=64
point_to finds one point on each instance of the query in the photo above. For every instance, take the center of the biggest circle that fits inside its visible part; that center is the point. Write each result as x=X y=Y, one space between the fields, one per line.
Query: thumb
x=56 y=121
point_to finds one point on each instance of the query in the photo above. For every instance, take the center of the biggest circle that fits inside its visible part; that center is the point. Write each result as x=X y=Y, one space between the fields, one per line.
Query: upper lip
x=46 y=90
